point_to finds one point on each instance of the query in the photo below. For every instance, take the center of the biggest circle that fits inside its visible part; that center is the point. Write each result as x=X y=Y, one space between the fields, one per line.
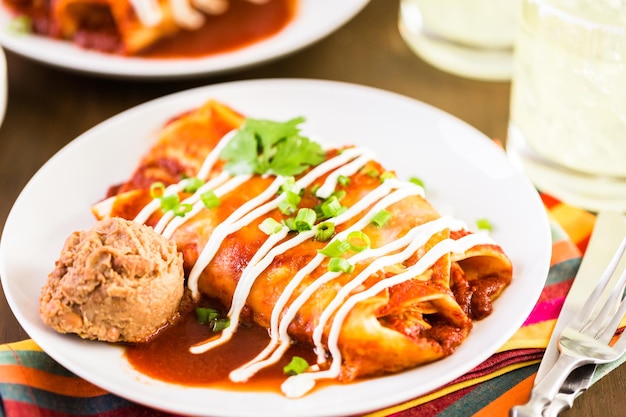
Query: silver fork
x=575 y=384
x=585 y=339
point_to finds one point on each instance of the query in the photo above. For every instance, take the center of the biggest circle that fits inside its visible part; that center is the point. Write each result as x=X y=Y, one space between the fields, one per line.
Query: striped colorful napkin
x=32 y=384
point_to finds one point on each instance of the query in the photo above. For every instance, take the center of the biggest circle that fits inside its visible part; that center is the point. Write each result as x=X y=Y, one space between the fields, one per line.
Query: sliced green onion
x=289 y=204
x=343 y=180
x=181 y=209
x=358 y=240
x=287 y=208
x=206 y=314
x=484 y=224
x=332 y=207
x=417 y=181
x=170 y=202
x=380 y=218
x=297 y=366
x=157 y=189
x=220 y=324
x=339 y=194
x=305 y=219
x=289 y=185
x=290 y=223
x=387 y=175
x=211 y=316
x=192 y=184
x=270 y=226
x=325 y=231
x=20 y=25
x=314 y=189
x=210 y=199
x=335 y=248
x=337 y=264
x=372 y=173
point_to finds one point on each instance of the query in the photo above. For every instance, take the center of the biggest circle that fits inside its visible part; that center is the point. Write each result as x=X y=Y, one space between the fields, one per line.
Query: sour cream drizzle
x=251 y=210
x=186 y=13
x=213 y=156
x=412 y=241
x=278 y=330
x=298 y=385
x=345 y=163
x=349 y=169
x=198 y=205
x=148 y=11
x=268 y=251
x=228 y=226
x=169 y=215
x=203 y=173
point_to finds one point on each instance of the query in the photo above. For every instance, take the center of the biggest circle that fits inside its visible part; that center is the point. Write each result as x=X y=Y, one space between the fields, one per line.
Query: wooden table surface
x=47 y=108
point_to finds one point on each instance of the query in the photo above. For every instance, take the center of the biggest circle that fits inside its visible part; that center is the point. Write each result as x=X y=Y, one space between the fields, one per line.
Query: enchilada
x=157 y=28
x=379 y=294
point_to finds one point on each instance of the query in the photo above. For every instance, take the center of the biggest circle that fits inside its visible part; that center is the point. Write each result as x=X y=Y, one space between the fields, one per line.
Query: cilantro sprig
x=270 y=147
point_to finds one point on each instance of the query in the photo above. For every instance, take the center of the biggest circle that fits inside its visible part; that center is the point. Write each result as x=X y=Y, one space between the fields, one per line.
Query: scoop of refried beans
x=118 y=282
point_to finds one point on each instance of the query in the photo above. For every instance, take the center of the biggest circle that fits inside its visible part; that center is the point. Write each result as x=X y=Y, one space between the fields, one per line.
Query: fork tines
x=612 y=307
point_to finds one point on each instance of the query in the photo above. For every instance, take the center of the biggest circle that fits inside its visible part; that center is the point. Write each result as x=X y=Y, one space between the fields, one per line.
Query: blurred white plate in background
x=314 y=20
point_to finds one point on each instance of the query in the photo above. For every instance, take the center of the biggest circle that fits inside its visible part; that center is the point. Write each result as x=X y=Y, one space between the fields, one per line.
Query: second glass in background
x=470 y=38
x=568 y=100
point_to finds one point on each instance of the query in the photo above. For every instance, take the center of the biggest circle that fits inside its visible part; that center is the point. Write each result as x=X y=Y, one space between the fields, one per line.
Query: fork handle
x=560 y=403
x=533 y=408
x=547 y=388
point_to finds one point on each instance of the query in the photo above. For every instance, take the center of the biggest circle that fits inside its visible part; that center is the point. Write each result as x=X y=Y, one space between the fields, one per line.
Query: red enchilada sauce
x=166 y=357
x=243 y=24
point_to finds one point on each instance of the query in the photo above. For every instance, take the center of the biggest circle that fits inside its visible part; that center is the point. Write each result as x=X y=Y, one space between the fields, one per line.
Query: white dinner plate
x=315 y=20
x=465 y=175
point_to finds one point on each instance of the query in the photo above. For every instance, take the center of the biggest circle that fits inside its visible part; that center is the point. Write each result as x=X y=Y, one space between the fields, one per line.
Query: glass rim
x=547 y=7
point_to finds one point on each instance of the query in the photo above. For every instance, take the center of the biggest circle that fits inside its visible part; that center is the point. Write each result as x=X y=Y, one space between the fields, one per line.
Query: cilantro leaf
x=270 y=147
x=294 y=155
x=241 y=153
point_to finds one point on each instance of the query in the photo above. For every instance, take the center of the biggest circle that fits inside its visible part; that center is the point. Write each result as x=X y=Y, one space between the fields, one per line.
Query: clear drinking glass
x=470 y=38
x=567 y=125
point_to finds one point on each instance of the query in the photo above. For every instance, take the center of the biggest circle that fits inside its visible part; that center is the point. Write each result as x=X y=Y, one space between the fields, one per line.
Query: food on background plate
x=322 y=246
x=158 y=28
x=117 y=282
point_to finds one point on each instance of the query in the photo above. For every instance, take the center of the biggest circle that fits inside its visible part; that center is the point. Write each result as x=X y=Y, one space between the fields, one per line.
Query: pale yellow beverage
x=568 y=100
x=471 y=38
